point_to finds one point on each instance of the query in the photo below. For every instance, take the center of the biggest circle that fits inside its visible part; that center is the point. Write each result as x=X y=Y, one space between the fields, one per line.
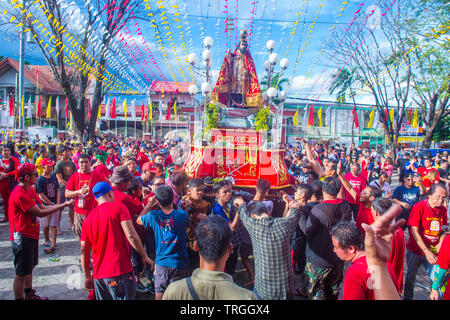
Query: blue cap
x=101 y=188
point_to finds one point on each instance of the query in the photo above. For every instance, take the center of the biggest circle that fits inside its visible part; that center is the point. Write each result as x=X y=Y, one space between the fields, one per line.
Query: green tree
x=427 y=25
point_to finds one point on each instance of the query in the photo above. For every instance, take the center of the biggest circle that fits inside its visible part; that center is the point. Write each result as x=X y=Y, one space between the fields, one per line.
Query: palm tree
x=277 y=82
x=344 y=82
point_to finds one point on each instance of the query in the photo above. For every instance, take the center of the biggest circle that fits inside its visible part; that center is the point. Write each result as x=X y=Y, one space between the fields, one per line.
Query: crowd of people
x=145 y=225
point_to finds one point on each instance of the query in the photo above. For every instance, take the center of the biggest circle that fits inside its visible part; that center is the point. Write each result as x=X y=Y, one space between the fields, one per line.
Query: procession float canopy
x=235 y=150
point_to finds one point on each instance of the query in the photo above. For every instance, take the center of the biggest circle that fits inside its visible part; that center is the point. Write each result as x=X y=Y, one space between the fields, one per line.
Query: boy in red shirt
x=348 y=243
x=425 y=221
x=24 y=209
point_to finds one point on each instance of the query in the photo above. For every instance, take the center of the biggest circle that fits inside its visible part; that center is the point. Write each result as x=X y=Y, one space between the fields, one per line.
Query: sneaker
x=140 y=287
x=33 y=296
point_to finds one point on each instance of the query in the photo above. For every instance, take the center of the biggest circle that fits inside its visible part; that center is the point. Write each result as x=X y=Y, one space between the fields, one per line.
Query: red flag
x=67 y=108
x=11 y=106
x=168 y=111
x=311 y=116
x=113 y=109
x=142 y=112
x=88 y=116
x=39 y=107
x=355 y=117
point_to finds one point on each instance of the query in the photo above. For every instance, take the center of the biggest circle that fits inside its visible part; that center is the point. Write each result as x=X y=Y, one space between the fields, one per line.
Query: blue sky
x=272 y=19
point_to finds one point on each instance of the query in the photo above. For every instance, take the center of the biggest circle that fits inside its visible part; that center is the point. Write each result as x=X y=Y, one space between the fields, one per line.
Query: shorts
x=122 y=287
x=77 y=224
x=50 y=220
x=26 y=255
x=165 y=275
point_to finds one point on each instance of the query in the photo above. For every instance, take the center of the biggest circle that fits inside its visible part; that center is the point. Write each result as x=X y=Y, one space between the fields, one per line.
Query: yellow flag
x=125 y=107
x=175 y=109
x=391 y=115
x=150 y=111
x=99 y=114
x=68 y=124
x=49 y=108
x=415 y=120
x=370 y=123
x=21 y=107
x=319 y=114
x=296 y=118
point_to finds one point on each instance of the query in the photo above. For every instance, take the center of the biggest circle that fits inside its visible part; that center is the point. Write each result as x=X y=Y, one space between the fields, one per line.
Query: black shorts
x=26 y=255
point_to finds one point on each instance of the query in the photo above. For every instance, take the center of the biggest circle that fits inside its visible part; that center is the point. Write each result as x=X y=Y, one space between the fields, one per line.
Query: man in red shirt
x=120 y=182
x=443 y=266
x=397 y=256
x=79 y=187
x=107 y=232
x=8 y=167
x=358 y=181
x=25 y=208
x=425 y=221
x=348 y=243
x=141 y=156
x=365 y=212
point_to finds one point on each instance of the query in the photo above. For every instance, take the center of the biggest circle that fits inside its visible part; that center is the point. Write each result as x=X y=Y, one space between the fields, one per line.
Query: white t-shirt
x=385 y=189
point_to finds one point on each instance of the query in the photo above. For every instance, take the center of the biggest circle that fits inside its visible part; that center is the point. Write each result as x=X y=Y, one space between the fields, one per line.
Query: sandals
x=47 y=244
x=49 y=250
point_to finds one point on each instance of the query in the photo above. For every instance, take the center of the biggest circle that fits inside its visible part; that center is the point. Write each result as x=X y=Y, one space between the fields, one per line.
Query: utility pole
x=21 y=69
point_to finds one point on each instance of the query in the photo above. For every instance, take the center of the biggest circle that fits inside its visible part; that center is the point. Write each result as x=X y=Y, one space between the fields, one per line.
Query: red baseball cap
x=47 y=162
x=148 y=166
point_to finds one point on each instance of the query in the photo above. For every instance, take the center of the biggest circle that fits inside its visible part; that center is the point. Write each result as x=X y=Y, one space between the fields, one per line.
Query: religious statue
x=237 y=85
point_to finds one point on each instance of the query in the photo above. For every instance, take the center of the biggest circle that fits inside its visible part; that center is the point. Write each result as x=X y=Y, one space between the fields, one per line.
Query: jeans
x=122 y=287
x=413 y=262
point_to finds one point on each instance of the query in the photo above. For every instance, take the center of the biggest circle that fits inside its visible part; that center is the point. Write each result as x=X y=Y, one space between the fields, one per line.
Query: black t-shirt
x=48 y=186
x=443 y=173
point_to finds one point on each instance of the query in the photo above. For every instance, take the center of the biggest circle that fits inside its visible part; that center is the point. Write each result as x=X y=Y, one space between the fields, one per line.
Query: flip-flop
x=47 y=244
x=49 y=250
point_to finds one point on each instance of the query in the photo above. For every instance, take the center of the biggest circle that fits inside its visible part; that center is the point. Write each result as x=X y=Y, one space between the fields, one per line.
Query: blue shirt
x=409 y=195
x=170 y=237
x=223 y=212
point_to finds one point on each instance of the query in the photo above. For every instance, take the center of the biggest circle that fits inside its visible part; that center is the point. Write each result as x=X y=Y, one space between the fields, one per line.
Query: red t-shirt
x=424 y=172
x=76 y=181
x=397 y=257
x=5 y=165
x=102 y=229
x=357 y=283
x=102 y=170
x=358 y=183
x=20 y=201
x=429 y=222
x=142 y=158
x=134 y=207
x=364 y=216
x=443 y=261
